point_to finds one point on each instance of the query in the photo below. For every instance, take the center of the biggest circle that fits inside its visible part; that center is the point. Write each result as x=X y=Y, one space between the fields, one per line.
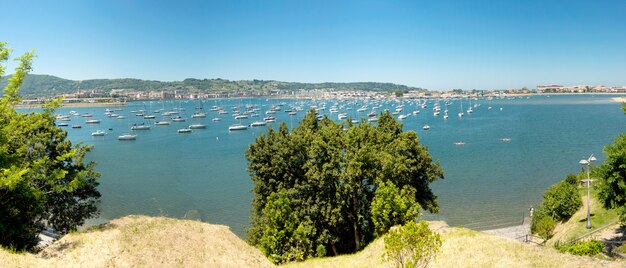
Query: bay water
x=488 y=183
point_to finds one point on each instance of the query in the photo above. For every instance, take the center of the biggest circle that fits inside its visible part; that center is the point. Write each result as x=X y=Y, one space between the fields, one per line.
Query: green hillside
x=36 y=85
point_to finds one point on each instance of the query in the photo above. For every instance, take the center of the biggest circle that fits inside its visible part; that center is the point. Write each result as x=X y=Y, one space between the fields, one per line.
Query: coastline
x=76 y=105
x=619 y=99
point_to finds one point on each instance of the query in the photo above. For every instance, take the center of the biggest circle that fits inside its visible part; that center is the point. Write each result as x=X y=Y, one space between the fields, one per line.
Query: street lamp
x=587 y=162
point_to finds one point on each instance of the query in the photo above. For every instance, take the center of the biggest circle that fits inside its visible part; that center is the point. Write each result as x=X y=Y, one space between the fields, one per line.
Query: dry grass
x=466 y=248
x=140 y=241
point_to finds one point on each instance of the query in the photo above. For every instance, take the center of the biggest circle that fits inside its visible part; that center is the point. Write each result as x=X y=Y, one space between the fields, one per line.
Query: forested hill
x=36 y=85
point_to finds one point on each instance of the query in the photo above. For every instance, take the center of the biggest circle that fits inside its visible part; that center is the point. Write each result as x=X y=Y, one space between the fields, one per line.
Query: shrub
x=622 y=216
x=542 y=224
x=412 y=245
x=393 y=206
x=562 y=200
x=588 y=248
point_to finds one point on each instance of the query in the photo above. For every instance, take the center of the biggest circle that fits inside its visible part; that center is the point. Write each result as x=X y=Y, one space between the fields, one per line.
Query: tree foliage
x=411 y=245
x=43 y=179
x=612 y=174
x=393 y=206
x=559 y=203
x=335 y=184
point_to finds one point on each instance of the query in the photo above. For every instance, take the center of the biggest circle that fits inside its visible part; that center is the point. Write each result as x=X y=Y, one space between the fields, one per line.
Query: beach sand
x=619 y=99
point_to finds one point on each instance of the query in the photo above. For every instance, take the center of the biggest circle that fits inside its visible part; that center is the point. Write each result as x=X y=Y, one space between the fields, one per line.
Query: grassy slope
x=466 y=248
x=146 y=242
x=163 y=242
x=576 y=225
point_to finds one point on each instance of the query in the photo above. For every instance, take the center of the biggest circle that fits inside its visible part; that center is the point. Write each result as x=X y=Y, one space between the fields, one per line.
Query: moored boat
x=237 y=127
x=127 y=137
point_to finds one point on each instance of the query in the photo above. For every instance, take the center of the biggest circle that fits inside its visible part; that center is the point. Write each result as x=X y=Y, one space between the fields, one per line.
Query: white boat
x=342 y=116
x=178 y=119
x=127 y=137
x=258 y=124
x=62 y=124
x=426 y=127
x=402 y=117
x=238 y=117
x=217 y=119
x=121 y=117
x=198 y=115
x=140 y=127
x=445 y=116
x=184 y=130
x=162 y=123
x=148 y=117
x=87 y=115
x=98 y=133
x=505 y=139
x=237 y=127
x=92 y=121
x=459 y=143
x=197 y=126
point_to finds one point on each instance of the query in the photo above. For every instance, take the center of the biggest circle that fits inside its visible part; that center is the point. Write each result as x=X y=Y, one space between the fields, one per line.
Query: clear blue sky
x=431 y=44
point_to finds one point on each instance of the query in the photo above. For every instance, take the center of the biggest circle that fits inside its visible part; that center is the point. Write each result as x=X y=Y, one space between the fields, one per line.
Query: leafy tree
x=331 y=177
x=43 y=179
x=559 y=203
x=393 y=206
x=612 y=174
x=562 y=200
x=411 y=245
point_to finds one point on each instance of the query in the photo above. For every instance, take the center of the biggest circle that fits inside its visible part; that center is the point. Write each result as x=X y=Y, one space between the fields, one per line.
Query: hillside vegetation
x=163 y=242
x=46 y=85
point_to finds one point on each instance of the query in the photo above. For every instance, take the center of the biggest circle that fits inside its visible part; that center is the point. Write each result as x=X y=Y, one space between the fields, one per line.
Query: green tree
x=411 y=245
x=612 y=174
x=559 y=203
x=331 y=178
x=562 y=200
x=43 y=179
x=393 y=206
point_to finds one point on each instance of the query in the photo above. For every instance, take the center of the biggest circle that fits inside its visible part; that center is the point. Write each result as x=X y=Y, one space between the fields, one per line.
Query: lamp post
x=587 y=162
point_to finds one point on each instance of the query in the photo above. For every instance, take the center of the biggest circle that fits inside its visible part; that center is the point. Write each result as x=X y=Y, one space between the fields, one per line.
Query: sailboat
x=199 y=113
x=98 y=133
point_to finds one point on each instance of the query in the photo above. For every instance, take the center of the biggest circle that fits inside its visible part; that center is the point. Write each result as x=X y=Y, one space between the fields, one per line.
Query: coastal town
x=121 y=96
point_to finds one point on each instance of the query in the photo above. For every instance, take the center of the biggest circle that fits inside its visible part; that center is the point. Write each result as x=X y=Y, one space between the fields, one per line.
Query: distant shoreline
x=76 y=105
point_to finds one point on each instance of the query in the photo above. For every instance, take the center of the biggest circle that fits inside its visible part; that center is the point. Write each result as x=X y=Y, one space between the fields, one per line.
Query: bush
x=562 y=200
x=412 y=245
x=392 y=206
x=622 y=216
x=542 y=224
x=588 y=248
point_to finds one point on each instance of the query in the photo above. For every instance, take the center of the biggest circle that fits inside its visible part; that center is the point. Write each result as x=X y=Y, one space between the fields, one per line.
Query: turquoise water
x=488 y=183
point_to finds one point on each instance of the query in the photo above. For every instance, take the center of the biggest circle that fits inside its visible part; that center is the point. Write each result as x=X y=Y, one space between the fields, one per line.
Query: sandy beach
x=619 y=99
